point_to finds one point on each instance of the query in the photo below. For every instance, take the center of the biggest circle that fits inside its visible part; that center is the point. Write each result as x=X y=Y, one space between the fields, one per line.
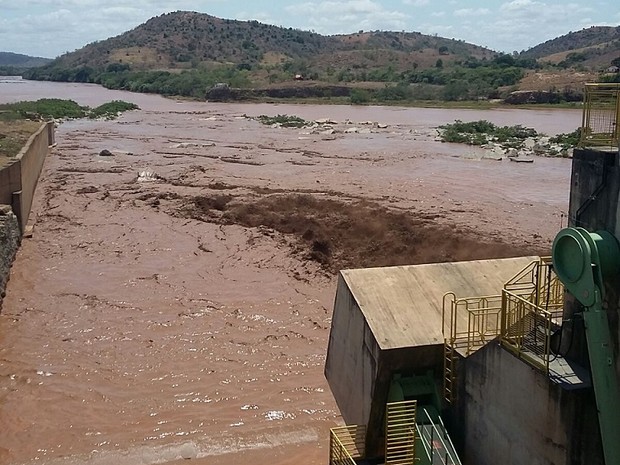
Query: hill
x=186 y=40
x=187 y=53
x=592 y=48
x=21 y=61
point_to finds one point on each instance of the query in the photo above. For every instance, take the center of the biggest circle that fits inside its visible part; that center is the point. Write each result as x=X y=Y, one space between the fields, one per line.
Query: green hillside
x=21 y=61
x=187 y=53
x=593 y=48
x=188 y=40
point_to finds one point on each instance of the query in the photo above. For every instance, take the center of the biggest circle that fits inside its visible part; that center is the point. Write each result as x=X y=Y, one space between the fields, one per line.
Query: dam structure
x=483 y=362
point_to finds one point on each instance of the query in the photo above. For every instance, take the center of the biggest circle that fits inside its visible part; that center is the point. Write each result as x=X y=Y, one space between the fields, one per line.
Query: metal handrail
x=522 y=320
x=529 y=307
x=437 y=434
x=601 y=116
x=346 y=443
x=483 y=317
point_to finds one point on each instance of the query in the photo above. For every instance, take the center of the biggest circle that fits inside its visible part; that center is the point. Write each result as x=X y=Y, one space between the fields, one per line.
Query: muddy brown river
x=175 y=299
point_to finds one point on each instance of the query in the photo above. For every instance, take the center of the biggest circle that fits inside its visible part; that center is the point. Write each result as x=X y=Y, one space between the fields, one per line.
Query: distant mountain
x=21 y=61
x=183 y=40
x=593 y=48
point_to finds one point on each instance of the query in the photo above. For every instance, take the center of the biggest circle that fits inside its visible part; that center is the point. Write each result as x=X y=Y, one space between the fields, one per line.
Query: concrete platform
x=403 y=304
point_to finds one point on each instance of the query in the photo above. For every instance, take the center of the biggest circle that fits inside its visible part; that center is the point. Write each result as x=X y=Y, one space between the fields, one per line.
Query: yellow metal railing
x=483 y=320
x=483 y=325
x=346 y=443
x=601 y=114
x=524 y=316
x=538 y=284
x=526 y=330
x=400 y=433
x=532 y=304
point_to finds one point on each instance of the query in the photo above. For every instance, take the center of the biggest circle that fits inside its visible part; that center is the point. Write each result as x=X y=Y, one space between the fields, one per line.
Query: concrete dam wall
x=18 y=182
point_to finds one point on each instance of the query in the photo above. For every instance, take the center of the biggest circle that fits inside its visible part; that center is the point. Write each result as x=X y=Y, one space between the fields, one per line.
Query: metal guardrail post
x=346 y=443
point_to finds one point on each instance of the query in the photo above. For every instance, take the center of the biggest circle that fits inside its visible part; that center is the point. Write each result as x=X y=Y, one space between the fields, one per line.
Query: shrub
x=567 y=140
x=359 y=96
x=285 y=121
x=47 y=108
x=481 y=132
x=401 y=91
x=112 y=109
x=63 y=109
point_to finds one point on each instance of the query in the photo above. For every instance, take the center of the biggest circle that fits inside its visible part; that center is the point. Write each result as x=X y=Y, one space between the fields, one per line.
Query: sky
x=50 y=28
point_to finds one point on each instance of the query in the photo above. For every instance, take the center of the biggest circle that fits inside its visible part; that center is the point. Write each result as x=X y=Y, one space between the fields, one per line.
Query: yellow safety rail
x=532 y=303
x=523 y=316
x=601 y=114
x=483 y=325
x=538 y=284
x=483 y=320
x=526 y=330
x=400 y=433
x=346 y=443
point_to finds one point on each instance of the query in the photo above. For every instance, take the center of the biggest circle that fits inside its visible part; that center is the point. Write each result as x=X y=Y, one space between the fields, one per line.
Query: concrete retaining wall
x=18 y=181
x=514 y=414
x=9 y=242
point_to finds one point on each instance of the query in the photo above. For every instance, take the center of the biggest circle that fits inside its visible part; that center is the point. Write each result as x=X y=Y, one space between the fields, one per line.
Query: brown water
x=135 y=332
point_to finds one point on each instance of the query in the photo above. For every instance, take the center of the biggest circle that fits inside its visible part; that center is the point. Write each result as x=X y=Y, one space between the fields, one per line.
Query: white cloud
x=438 y=14
x=527 y=20
x=519 y=5
x=534 y=11
x=334 y=17
x=262 y=17
x=54 y=32
x=439 y=29
x=518 y=24
x=463 y=12
x=416 y=2
x=336 y=7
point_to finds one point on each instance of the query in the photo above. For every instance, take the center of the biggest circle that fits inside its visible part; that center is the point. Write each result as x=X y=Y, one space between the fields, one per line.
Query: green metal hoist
x=583 y=261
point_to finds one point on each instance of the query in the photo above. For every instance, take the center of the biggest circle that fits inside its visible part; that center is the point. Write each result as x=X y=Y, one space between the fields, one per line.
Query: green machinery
x=584 y=261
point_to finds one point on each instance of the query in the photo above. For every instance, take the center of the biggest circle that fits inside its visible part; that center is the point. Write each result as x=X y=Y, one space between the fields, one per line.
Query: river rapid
x=140 y=329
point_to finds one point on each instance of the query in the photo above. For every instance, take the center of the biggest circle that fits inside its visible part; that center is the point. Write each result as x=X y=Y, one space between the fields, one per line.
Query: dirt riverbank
x=175 y=300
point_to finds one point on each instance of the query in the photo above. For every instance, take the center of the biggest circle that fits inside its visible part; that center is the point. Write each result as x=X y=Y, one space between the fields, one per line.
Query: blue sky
x=51 y=27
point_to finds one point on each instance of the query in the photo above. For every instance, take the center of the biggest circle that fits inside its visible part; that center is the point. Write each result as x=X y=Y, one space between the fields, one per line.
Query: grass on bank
x=18 y=121
x=13 y=136
x=53 y=108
